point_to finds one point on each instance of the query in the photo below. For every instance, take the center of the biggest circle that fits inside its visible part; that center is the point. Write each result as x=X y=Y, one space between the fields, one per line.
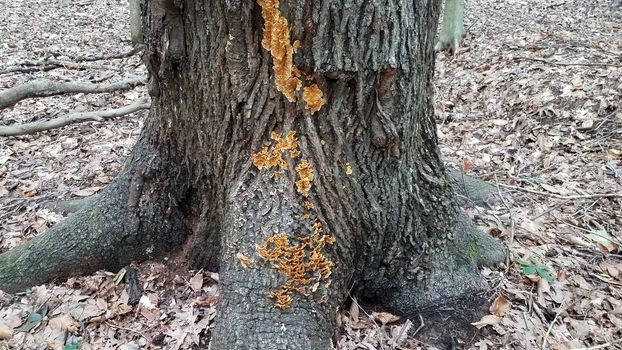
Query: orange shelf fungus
x=302 y=263
x=276 y=39
x=305 y=175
x=272 y=154
x=312 y=95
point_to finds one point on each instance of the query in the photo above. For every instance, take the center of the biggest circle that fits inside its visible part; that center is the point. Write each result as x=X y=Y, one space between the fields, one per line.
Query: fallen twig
x=46 y=87
x=72 y=63
x=586 y=64
x=31 y=128
x=556 y=196
x=113 y=56
x=602 y=346
x=53 y=64
x=511 y=233
x=559 y=311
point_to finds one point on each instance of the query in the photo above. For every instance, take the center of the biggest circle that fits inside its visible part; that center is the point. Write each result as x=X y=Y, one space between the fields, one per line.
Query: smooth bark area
x=293 y=208
x=452 y=30
x=136 y=26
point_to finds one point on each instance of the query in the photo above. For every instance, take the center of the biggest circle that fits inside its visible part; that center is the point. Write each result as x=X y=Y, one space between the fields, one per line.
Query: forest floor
x=531 y=102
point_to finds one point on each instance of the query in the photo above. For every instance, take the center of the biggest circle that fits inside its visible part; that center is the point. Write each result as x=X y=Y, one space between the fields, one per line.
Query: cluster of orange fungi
x=277 y=41
x=302 y=261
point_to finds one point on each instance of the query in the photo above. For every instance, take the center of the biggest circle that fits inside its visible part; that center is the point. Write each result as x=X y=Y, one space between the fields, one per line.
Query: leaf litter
x=531 y=103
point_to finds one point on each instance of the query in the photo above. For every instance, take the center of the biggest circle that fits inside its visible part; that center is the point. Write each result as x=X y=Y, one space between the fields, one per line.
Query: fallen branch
x=53 y=64
x=556 y=196
x=559 y=311
x=114 y=56
x=73 y=63
x=31 y=128
x=45 y=87
x=586 y=64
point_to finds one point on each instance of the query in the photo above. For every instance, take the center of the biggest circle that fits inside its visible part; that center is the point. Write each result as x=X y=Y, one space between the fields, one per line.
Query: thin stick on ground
x=114 y=56
x=556 y=196
x=31 y=128
x=73 y=63
x=46 y=87
x=511 y=232
x=54 y=64
x=548 y=331
x=586 y=64
x=602 y=346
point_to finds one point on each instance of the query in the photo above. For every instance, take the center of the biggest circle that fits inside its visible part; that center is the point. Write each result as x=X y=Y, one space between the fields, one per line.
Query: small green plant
x=72 y=346
x=534 y=267
x=34 y=318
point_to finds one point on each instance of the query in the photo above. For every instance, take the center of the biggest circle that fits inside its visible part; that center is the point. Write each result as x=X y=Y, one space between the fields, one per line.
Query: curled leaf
x=500 y=306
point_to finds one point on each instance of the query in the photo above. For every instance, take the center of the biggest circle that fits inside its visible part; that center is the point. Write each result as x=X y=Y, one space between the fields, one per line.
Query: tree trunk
x=452 y=30
x=136 y=25
x=300 y=183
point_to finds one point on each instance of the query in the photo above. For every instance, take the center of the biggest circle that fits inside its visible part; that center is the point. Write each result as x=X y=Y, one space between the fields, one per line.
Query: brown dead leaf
x=6 y=332
x=354 y=311
x=466 y=165
x=500 y=306
x=64 y=322
x=85 y=192
x=244 y=260
x=578 y=241
x=86 y=311
x=497 y=232
x=488 y=320
x=613 y=271
x=196 y=282
x=384 y=317
x=614 y=153
x=30 y=193
x=148 y=306
x=209 y=301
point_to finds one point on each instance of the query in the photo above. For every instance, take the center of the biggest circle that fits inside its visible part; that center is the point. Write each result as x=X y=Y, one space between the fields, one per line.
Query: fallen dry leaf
x=64 y=322
x=6 y=332
x=488 y=320
x=196 y=282
x=354 y=311
x=543 y=287
x=86 y=192
x=500 y=306
x=384 y=317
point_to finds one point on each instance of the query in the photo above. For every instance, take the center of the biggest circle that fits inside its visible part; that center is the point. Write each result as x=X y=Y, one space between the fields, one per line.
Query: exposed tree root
x=65 y=207
x=71 y=118
x=134 y=218
x=450 y=272
x=46 y=87
x=480 y=192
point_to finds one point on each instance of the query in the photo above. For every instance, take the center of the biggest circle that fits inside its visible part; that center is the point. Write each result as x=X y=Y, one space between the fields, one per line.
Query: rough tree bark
x=293 y=207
